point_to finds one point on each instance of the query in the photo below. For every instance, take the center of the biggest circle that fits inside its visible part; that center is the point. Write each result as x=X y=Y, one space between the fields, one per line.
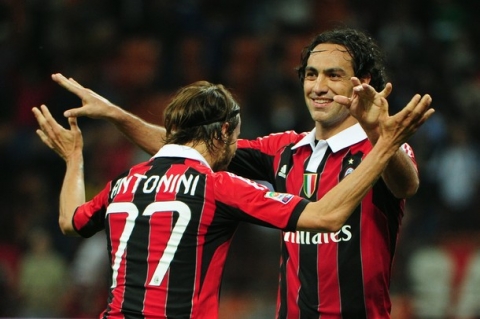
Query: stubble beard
x=224 y=159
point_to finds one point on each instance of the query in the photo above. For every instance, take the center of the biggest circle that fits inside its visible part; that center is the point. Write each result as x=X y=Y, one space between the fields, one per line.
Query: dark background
x=137 y=53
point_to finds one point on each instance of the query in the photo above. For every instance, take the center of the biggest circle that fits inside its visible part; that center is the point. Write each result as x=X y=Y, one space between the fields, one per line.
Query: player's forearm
x=401 y=176
x=332 y=211
x=72 y=194
x=147 y=136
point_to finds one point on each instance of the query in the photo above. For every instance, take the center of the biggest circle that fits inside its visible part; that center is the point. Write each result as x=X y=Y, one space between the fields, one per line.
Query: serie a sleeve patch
x=281 y=197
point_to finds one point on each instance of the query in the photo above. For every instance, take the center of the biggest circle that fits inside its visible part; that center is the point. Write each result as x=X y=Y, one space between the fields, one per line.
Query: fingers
x=45 y=139
x=355 y=81
x=52 y=124
x=40 y=115
x=422 y=110
x=387 y=90
x=70 y=85
x=420 y=106
x=73 y=124
x=365 y=90
x=47 y=123
x=342 y=100
x=426 y=116
x=405 y=112
x=75 y=82
x=77 y=112
x=45 y=131
x=417 y=110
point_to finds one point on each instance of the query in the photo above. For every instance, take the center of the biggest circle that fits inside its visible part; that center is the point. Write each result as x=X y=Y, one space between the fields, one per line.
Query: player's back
x=167 y=248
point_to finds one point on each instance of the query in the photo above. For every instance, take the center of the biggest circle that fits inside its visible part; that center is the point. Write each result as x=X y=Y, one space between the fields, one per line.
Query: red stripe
x=116 y=228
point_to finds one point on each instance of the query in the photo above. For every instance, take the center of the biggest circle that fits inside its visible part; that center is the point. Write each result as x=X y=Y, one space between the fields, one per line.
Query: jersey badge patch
x=281 y=197
x=309 y=184
x=349 y=163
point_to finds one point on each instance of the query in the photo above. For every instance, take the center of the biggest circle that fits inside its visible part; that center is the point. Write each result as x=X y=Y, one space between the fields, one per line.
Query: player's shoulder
x=273 y=141
x=227 y=179
x=288 y=136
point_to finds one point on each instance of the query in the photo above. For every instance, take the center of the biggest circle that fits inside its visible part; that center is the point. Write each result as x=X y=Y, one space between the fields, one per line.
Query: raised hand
x=147 y=136
x=66 y=143
x=399 y=127
x=93 y=104
x=365 y=103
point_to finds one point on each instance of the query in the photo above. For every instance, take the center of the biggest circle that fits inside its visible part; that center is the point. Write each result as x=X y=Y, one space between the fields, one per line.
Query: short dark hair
x=197 y=113
x=367 y=58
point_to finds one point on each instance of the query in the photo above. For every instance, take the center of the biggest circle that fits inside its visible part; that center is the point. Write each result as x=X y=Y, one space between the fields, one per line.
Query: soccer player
x=169 y=221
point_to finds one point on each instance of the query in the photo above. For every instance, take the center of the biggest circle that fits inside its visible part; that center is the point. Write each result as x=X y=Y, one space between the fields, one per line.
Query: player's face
x=328 y=72
x=228 y=151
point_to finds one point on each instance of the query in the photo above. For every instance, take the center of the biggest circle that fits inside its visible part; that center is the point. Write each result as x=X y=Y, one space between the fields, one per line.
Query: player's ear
x=225 y=127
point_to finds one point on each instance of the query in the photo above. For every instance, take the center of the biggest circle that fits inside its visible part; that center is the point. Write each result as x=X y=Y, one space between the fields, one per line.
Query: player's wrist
x=386 y=148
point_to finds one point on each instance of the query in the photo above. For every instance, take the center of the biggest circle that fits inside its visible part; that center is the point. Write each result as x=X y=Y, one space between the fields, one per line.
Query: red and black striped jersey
x=169 y=223
x=328 y=275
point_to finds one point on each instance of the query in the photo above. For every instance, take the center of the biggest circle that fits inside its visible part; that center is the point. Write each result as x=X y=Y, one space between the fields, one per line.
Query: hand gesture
x=399 y=127
x=93 y=105
x=365 y=103
x=66 y=143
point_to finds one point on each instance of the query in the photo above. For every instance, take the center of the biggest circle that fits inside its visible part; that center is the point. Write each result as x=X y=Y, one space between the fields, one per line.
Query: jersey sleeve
x=248 y=201
x=89 y=218
x=254 y=159
x=409 y=151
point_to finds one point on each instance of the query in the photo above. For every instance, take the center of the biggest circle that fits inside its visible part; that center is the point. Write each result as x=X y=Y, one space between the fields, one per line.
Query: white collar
x=345 y=138
x=175 y=150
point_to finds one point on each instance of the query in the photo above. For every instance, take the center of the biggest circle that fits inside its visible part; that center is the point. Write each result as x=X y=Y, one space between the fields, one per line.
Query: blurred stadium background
x=137 y=53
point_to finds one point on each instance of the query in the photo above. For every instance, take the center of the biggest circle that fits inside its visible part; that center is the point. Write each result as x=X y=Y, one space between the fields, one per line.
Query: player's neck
x=203 y=150
x=324 y=132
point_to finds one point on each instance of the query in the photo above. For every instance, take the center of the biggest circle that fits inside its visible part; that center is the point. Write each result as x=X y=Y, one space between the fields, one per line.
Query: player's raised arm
x=147 y=136
x=332 y=211
x=68 y=144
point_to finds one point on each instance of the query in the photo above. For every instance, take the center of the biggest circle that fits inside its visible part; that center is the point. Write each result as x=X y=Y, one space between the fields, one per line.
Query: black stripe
x=252 y=164
x=391 y=208
x=350 y=274
x=308 y=294
x=287 y=161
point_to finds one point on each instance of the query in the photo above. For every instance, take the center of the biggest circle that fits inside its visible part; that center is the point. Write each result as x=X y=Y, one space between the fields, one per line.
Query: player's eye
x=309 y=75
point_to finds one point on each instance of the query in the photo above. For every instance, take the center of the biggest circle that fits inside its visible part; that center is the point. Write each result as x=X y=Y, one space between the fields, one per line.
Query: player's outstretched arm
x=332 y=211
x=68 y=144
x=147 y=136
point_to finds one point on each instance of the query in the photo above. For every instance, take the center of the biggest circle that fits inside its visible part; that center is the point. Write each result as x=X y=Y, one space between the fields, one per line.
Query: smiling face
x=327 y=73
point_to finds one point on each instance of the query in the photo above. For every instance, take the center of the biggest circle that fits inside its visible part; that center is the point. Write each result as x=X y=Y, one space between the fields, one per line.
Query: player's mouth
x=321 y=102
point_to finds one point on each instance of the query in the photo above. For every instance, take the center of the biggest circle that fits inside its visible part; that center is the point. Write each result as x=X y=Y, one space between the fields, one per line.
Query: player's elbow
x=322 y=219
x=324 y=224
x=406 y=191
x=409 y=193
x=332 y=225
x=66 y=227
